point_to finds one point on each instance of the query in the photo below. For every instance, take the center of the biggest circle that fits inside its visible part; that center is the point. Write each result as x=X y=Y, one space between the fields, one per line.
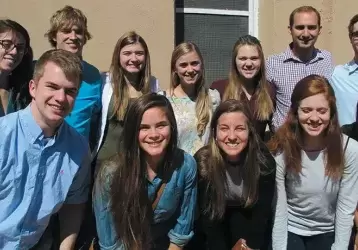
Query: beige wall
x=273 y=22
x=154 y=20
x=107 y=21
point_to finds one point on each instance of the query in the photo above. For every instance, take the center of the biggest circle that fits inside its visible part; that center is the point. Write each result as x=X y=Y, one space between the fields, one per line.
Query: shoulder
x=275 y=59
x=8 y=124
x=106 y=79
x=351 y=149
x=349 y=129
x=215 y=97
x=340 y=71
x=91 y=76
x=280 y=161
x=188 y=165
x=107 y=170
x=325 y=54
x=202 y=154
x=202 y=157
x=219 y=83
x=90 y=69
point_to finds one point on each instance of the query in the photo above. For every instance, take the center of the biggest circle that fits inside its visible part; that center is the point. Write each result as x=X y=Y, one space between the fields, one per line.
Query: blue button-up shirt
x=173 y=216
x=37 y=176
x=87 y=108
x=345 y=85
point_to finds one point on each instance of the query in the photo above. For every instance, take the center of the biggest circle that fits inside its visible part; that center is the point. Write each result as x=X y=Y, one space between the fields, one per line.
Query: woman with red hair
x=316 y=174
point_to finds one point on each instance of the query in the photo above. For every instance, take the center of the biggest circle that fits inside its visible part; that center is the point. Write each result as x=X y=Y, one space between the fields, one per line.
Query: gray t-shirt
x=314 y=203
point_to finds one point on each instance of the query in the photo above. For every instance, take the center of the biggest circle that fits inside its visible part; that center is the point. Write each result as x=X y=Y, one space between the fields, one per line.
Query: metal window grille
x=214 y=26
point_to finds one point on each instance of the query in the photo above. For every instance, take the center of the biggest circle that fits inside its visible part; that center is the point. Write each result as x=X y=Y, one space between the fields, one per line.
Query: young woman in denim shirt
x=128 y=185
x=236 y=183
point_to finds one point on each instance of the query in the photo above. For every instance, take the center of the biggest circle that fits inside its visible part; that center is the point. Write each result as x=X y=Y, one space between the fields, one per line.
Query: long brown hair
x=130 y=205
x=120 y=88
x=288 y=138
x=212 y=165
x=203 y=102
x=235 y=87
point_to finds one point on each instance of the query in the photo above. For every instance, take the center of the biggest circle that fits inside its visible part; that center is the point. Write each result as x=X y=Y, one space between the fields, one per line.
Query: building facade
x=214 y=25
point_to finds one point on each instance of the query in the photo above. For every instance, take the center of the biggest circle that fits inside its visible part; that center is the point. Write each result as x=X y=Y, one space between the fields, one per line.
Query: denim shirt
x=173 y=216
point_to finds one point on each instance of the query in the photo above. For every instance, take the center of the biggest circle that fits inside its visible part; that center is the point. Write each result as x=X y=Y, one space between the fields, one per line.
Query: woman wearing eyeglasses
x=15 y=66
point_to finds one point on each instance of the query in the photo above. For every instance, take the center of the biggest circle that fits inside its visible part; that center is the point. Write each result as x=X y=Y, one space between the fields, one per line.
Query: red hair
x=288 y=137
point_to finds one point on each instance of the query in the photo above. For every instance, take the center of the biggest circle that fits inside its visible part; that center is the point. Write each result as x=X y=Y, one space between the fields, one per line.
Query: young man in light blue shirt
x=345 y=80
x=44 y=162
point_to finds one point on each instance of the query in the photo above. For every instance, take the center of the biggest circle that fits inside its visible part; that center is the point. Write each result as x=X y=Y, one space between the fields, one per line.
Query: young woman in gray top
x=316 y=174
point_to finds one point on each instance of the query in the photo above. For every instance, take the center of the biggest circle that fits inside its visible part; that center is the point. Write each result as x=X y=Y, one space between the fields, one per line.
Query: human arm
x=107 y=235
x=71 y=213
x=279 y=231
x=262 y=213
x=183 y=229
x=347 y=198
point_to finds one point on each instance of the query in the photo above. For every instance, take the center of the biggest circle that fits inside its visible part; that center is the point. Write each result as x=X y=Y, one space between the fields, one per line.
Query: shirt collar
x=288 y=55
x=32 y=129
x=352 y=66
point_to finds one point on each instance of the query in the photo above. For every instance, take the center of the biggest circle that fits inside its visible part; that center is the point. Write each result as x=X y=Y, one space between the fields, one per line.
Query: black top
x=351 y=130
x=250 y=223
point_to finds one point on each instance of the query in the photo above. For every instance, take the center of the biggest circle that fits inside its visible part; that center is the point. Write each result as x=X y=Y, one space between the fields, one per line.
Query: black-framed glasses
x=8 y=45
x=354 y=34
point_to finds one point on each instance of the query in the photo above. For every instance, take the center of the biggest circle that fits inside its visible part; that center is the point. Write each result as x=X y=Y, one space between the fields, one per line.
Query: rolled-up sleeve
x=80 y=187
x=183 y=230
x=106 y=232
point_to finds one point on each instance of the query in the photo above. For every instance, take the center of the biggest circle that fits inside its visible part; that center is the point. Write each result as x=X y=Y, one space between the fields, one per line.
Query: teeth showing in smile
x=153 y=143
x=232 y=145
x=56 y=107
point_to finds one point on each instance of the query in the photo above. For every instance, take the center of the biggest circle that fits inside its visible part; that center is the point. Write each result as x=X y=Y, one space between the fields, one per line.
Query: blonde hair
x=234 y=89
x=65 y=18
x=119 y=84
x=203 y=108
x=69 y=63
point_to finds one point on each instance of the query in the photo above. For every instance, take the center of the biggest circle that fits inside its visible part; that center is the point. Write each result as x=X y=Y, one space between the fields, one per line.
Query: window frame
x=252 y=14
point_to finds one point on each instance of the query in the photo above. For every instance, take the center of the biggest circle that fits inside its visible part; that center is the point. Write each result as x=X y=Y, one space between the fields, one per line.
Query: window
x=215 y=26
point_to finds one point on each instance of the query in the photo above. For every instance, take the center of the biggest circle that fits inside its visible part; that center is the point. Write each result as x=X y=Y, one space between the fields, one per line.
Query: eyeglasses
x=354 y=34
x=8 y=45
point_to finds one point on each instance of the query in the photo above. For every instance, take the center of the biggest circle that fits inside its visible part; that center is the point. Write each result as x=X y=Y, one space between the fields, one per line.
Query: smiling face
x=53 y=96
x=248 y=61
x=305 y=30
x=71 y=39
x=154 y=134
x=188 y=67
x=12 y=50
x=314 y=115
x=232 y=134
x=132 y=58
x=354 y=37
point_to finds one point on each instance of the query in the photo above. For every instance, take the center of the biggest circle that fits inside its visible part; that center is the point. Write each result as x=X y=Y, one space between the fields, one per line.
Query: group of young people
x=112 y=161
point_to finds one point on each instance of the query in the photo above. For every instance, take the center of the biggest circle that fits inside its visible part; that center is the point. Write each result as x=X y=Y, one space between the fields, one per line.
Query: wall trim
x=254 y=18
x=213 y=11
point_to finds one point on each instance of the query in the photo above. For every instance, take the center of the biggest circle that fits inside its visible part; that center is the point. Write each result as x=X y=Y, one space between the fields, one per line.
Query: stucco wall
x=107 y=21
x=273 y=22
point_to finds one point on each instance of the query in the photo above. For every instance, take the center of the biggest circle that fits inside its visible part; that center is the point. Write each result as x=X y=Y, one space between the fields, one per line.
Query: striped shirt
x=284 y=70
